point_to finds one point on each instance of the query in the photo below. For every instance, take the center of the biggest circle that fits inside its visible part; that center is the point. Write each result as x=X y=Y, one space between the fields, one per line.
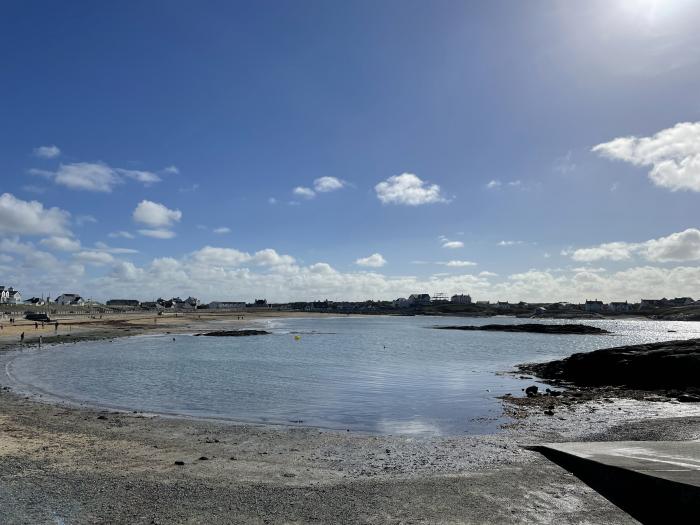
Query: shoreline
x=82 y=464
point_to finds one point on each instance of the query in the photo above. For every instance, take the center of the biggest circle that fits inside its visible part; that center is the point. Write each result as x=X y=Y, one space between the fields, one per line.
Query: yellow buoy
x=297 y=338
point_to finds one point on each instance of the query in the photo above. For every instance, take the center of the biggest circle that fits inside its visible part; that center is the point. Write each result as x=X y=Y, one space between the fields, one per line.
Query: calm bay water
x=375 y=374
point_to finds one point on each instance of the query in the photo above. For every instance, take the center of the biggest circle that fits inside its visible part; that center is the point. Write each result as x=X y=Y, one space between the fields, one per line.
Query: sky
x=302 y=150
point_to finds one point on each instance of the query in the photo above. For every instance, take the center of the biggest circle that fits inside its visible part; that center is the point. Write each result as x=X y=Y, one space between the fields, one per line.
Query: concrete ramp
x=653 y=481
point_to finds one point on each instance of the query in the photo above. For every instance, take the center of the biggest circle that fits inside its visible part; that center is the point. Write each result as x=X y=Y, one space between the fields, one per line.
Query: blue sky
x=166 y=121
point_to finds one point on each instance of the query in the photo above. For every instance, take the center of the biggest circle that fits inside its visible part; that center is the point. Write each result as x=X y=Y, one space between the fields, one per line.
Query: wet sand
x=66 y=464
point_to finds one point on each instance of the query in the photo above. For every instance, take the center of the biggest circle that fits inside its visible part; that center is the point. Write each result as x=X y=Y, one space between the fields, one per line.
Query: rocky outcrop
x=665 y=365
x=234 y=333
x=535 y=328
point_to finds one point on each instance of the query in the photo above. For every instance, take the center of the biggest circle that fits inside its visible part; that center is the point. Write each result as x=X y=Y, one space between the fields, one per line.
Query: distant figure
x=21 y=337
x=55 y=329
x=173 y=339
x=36 y=325
x=40 y=341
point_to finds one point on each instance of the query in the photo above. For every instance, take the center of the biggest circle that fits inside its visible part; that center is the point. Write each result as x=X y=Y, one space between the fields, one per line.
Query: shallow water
x=377 y=374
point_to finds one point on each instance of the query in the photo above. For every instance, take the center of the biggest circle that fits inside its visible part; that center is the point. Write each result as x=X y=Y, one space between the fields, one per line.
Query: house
x=593 y=306
x=618 y=307
x=133 y=303
x=502 y=305
x=652 y=303
x=419 y=299
x=261 y=303
x=483 y=303
x=461 y=299
x=401 y=302
x=226 y=305
x=682 y=301
x=35 y=301
x=69 y=299
x=10 y=295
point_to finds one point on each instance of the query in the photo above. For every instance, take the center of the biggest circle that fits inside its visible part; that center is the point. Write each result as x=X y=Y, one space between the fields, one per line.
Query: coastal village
x=418 y=303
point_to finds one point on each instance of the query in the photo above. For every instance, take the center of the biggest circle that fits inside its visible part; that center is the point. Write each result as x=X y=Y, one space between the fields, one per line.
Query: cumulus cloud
x=94 y=176
x=673 y=154
x=376 y=260
x=305 y=192
x=452 y=245
x=509 y=243
x=121 y=234
x=222 y=230
x=494 y=184
x=31 y=218
x=157 y=233
x=171 y=170
x=408 y=189
x=97 y=258
x=676 y=247
x=102 y=247
x=47 y=152
x=326 y=184
x=458 y=264
x=58 y=243
x=156 y=215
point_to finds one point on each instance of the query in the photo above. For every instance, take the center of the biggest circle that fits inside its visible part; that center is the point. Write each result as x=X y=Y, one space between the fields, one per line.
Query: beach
x=62 y=463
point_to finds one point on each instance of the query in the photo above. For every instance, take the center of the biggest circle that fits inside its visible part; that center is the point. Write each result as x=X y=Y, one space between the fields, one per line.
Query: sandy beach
x=68 y=464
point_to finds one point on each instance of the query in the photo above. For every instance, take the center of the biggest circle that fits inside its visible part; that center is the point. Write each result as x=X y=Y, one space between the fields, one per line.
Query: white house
x=461 y=299
x=419 y=299
x=616 y=306
x=10 y=295
x=70 y=299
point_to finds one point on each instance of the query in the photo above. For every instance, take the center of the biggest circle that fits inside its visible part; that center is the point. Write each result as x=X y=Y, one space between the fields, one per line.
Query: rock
x=531 y=391
x=233 y=333
x=180 y=463
x=289 y=475
x=203 y=458
x=536 y=328
x=101 y=417
x=689 y=398
x=664 y=365
x=549 y=412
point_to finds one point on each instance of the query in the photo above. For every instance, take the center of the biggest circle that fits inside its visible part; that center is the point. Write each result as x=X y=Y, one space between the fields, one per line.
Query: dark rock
x=101 y=417
x=531 y=391
x=180 y=463
x=664 y=365
x=535 y=328
x=203 y=458
x=233 y=333
x=549 y=412
x=289 y=475
x=688 y=398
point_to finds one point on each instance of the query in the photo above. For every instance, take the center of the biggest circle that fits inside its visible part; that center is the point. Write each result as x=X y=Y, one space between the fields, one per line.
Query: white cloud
x=97 y=258
x=121 y=234
x=81 y=220
x=47 y=152
x=171 y=170
x=452 y=245
x=272 y=200
x=102 y=247
x=494 y=184
x=155 y=214
x=145 y=177
x=87 y=176
x=673 y=154
x=458 y=264
x=373 y=261
x=565 y=164
x=157 y=233
x=31 y=218
x=64 y=244
x=676 y=247
x=305 y=192
x=408 y=189
x=487 y=274
x=94 y=176
x=509 y=243
x=326 y=184
x=222 y=230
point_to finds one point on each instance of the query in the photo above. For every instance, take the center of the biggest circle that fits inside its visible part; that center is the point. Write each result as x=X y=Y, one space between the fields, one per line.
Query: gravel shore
x=67 y=464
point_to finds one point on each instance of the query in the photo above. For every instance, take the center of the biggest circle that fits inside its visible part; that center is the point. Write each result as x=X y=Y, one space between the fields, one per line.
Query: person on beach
x=40 y=340
x=36 y=325
x=55 y=328
x=21 y=337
